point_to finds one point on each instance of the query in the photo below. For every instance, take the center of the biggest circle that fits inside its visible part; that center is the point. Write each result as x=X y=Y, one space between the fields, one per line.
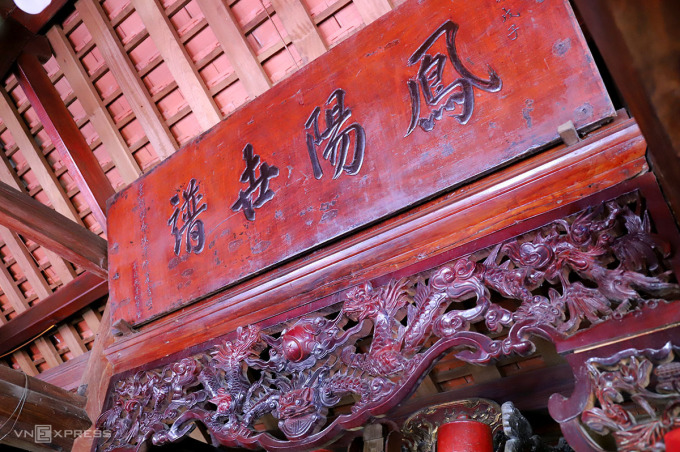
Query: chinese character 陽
x=439 y=96
x=339 y=141
x=262 y=183
x=190 y=209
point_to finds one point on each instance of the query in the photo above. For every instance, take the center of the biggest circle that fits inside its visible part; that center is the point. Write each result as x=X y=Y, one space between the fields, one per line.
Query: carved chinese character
x=262 y=183
x=191 y=225
x=508 y=14
x=513 y=32
x=430 y=82
x=339 y=141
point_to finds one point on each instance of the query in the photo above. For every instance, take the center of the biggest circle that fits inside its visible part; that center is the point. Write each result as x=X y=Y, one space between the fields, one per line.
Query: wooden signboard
x=429 y=96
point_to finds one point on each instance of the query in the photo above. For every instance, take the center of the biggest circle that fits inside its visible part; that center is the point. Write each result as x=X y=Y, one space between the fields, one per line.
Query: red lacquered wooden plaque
x=426 y=98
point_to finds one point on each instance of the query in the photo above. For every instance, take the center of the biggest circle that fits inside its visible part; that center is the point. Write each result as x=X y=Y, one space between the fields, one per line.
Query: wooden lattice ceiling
x=123 y=90
x=228 y=60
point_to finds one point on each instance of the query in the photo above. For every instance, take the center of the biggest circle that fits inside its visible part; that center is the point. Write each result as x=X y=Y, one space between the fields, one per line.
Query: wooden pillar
x=640 y=43
x=65 y=135
x=54 y=410
x=96 y=378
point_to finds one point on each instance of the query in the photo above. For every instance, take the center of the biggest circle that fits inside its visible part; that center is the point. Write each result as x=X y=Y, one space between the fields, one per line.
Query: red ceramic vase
x=464 y=436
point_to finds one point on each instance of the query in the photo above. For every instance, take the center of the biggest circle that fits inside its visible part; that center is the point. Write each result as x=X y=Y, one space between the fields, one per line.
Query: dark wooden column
x=640 y=43
x=64 y=133
x=40 y=404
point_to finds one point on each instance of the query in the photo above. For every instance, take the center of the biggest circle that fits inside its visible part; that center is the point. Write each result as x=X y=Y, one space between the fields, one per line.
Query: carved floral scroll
x=631 y=398
x=573 y=273
x=637 y=411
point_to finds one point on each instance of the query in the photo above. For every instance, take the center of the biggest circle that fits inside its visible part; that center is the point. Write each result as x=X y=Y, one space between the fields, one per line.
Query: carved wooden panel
x=627 y=399
x=602 y=263
x=422 y=100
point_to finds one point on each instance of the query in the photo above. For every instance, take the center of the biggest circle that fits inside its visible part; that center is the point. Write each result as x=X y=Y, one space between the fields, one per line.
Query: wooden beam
x=25 y=261
x=63 y=269
x=94 y=107
x=301 y=29
x=124 y=72
x=25 y=363
x=35 y=22
x=222 y=22
x=20 y=305
x=12 y=292
x=57 y=121
x=44 y=404
x=21 y=357
x=35 y=158
x=29 y=267
x=370 y=10
x=48 y=352
x=97 y=377
x=179 y=62
x=68 y=375
x=92 y=319
x=79 y=293
x=48 y=228
x=640 y=43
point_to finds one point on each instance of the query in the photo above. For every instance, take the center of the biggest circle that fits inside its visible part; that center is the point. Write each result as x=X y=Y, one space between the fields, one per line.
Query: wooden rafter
x=301 y=29
x=231 y=38
x=35 y=158
x=64 y=270
x=57 y=121
x=131 y=85
x=370 y=10
x=178 y=61
x=92 y=104
x=20 y=305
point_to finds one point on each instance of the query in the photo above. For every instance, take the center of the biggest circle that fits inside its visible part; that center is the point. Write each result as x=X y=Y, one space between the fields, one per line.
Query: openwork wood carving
x=571 y=274
x=632 y=396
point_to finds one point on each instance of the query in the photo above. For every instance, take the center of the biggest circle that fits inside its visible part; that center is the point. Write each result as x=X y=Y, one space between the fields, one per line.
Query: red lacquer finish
x=552 y=282
x=672 y=440
x=503 y=94
x=464 y=436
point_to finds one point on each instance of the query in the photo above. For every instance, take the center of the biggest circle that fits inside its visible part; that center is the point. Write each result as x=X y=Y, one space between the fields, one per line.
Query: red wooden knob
x=464 y=436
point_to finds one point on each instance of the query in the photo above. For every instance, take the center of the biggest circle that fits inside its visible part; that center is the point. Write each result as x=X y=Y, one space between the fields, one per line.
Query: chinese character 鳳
x=508 y=14
x=262 y=183
x=190 y=209
x=339 y=141
x=430 y=82
x=513 y=32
